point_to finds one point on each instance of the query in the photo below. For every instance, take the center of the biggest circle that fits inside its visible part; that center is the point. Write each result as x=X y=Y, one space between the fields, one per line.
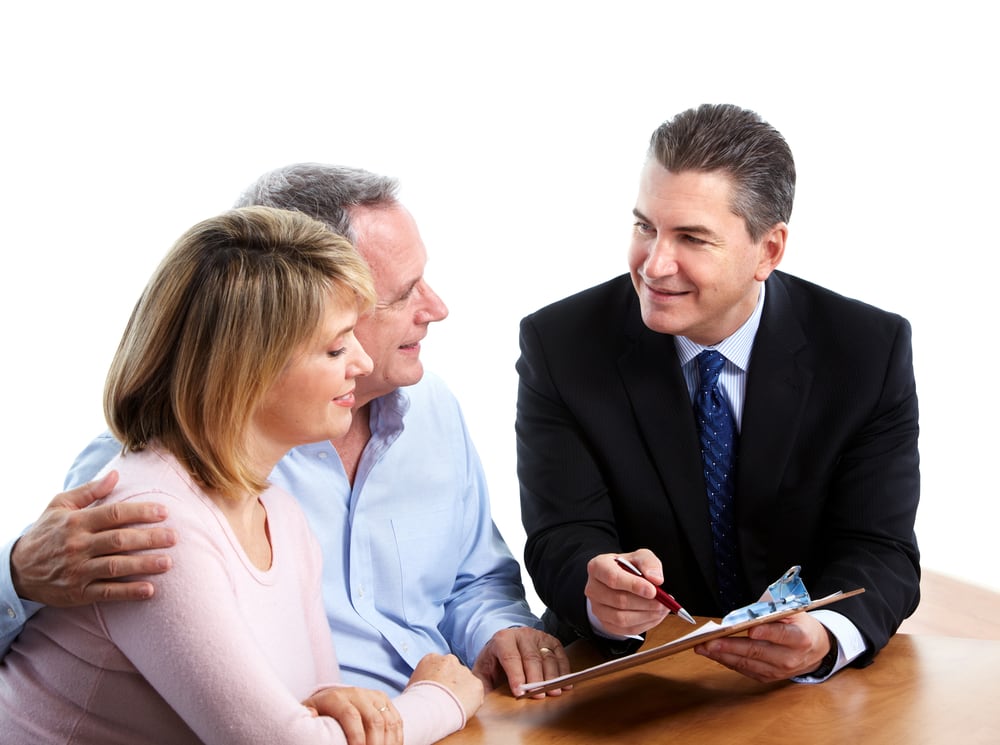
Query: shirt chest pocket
x=426 y=549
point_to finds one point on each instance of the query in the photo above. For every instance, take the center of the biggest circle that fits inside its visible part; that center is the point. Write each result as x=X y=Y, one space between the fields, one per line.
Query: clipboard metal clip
x=788 y=591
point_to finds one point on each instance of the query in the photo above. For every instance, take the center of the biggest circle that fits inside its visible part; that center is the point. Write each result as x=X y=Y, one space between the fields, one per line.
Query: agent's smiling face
x=694 y=267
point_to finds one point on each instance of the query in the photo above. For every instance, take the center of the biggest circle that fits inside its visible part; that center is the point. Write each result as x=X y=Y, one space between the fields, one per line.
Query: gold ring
x=544 y=650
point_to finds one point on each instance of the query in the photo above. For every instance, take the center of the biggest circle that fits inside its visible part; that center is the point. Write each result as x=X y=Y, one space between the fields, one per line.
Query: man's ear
x=772 y=250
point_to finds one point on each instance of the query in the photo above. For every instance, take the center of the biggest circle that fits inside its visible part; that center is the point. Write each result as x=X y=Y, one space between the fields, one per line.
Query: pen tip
x=685 y=615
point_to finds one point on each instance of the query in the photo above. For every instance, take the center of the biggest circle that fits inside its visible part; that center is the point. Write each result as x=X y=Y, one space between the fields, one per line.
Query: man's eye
x=643 y=227
x=399 y=301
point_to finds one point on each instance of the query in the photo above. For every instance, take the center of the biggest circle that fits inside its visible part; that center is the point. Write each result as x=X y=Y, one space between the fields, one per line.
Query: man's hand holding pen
x=662 y=596
x=624 y=603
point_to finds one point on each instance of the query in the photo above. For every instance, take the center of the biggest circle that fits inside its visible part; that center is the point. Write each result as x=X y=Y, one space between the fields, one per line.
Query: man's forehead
x=384 y=229
x=376 y=217
x=387 y=238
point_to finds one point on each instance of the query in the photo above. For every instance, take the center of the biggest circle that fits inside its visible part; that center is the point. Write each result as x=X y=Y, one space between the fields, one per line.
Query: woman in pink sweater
x=240 y=348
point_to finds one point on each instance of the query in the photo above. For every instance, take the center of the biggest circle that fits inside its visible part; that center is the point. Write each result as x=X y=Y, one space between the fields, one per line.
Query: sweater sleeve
x=429 y=712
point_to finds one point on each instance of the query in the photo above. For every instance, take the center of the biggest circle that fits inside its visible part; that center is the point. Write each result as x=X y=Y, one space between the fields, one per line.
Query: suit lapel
x=777 y=389
x=660 y=403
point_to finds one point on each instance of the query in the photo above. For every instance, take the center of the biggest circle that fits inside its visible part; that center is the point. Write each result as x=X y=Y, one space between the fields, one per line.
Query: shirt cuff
x=14 y=612
x=601 y=631
x=850 y=645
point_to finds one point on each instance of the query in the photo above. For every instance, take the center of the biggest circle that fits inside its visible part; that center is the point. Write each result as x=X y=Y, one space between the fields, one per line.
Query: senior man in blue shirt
x=412 y=560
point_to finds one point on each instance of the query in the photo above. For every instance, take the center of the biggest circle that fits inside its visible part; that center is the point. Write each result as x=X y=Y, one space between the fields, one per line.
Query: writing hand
x=624 y=603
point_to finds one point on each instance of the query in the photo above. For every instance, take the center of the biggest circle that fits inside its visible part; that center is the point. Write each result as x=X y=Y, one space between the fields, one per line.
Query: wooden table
x=920 y=689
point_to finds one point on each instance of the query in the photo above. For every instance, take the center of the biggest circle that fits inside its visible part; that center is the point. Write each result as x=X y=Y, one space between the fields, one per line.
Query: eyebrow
x=697 y=229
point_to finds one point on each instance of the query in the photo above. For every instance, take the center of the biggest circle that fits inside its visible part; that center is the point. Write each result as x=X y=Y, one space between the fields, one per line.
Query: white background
x=518 y=130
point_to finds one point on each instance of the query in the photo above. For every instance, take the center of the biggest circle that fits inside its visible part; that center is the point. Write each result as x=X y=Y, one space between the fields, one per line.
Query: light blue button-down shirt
x=412 y=561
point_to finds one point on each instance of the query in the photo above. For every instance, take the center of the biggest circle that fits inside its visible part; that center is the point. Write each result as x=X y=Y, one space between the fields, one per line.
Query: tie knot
x=710 y=364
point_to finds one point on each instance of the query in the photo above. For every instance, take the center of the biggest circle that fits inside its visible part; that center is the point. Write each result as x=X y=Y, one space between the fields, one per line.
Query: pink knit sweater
x=222 y=653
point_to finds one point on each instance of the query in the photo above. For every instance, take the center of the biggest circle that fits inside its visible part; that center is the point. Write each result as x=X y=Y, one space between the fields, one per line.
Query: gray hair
x=724 y=137
x=325 y=193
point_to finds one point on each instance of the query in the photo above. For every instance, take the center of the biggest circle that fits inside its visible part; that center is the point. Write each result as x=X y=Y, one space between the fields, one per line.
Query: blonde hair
x=217 y=323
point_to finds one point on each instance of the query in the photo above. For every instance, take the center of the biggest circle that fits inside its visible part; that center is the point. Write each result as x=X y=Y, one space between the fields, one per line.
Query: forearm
x=565 y=504
x=14 y=612
x=891 y=580
x=869 y=525
x=557 y=560
x=564 y=531
x=429 y=712
x=476 y=613
x=91 y=460
x=565 y=507
x=847 y=644
x=487 y=595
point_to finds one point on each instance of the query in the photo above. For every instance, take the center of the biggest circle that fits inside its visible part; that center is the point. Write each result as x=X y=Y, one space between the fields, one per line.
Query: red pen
x=661 y=595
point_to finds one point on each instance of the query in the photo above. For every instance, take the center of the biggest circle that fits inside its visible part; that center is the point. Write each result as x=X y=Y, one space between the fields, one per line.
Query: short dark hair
x=724 y=137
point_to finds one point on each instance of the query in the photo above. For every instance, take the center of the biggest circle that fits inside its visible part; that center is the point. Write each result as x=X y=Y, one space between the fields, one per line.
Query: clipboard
x=708 y=631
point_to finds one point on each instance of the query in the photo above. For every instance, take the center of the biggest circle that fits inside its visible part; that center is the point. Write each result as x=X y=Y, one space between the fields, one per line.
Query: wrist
x=829 y=660
x=15 y=577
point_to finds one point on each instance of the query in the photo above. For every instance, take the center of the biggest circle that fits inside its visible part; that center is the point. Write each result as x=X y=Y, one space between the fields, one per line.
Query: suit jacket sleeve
x=829 y=468
x=567 y=507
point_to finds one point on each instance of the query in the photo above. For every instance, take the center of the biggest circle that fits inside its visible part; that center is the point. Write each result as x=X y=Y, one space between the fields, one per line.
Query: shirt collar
x=736 y=347
x=387 y=413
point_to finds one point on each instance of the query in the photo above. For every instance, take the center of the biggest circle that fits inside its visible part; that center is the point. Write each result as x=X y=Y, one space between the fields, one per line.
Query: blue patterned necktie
x=717 y=435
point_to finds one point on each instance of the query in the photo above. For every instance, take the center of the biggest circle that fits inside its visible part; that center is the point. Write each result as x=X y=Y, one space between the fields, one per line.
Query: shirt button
x=323 y=454
x=11 y=613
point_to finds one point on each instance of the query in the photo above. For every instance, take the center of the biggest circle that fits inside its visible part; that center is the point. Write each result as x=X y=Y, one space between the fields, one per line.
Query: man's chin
x=405 y=375
x=661 y=322
x=413 y=377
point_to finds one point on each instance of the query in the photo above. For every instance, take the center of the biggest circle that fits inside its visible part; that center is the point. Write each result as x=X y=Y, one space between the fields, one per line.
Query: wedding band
x=383 y=708
x=544 y=650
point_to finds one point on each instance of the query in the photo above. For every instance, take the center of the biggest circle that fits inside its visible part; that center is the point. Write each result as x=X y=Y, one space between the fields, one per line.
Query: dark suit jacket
x=827 y=471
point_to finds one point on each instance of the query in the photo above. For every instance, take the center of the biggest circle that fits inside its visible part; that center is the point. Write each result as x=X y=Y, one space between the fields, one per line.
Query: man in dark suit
x=819 y=390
